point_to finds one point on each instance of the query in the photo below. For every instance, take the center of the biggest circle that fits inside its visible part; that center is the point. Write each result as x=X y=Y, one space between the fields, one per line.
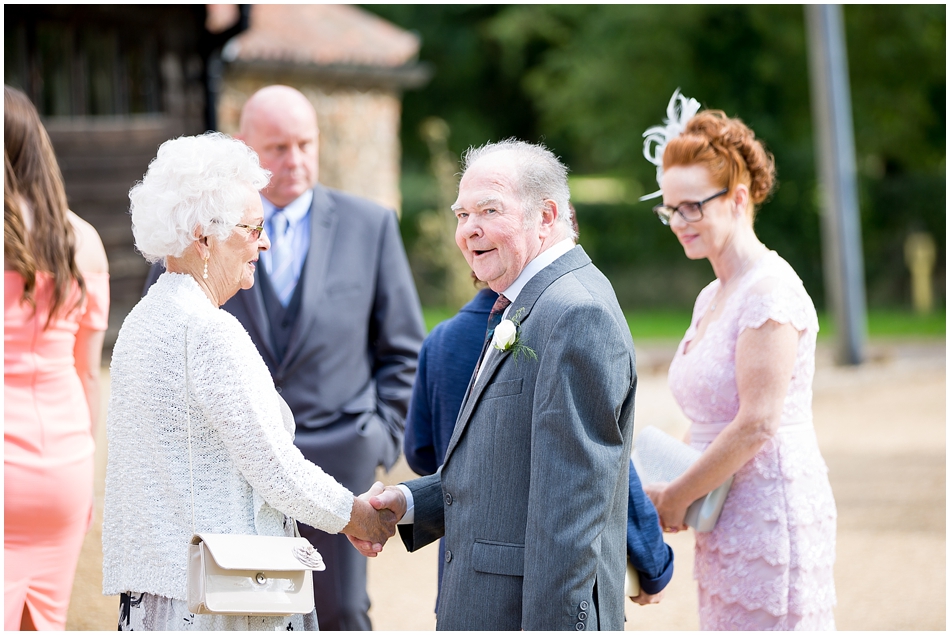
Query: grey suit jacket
x=532 y=496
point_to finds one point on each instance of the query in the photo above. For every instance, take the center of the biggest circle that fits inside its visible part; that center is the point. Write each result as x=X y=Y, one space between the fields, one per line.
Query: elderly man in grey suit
x=335 y=315
x=532 y=496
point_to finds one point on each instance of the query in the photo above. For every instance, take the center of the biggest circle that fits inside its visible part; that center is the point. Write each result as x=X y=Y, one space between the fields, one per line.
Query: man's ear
x=549 y=216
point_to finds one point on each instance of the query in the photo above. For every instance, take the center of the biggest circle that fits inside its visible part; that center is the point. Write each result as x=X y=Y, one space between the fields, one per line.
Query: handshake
x=374 y=517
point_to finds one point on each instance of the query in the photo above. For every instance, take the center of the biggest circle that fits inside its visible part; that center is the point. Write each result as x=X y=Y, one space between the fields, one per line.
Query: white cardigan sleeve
x=232 y=388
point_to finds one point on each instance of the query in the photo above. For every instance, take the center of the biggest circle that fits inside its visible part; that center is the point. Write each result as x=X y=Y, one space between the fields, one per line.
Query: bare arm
x=88 y=356
x=765 y=359
x=87 y=351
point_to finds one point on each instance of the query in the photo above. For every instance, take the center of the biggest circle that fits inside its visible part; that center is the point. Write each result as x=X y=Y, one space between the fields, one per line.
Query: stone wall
x=359 y=131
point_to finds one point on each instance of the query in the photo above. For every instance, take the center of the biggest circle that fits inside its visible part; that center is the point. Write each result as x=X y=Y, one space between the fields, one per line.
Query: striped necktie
x=283 y=275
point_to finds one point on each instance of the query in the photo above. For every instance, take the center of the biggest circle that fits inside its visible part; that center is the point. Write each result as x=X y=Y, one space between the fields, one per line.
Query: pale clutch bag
x=659 y=458
x=631 y=583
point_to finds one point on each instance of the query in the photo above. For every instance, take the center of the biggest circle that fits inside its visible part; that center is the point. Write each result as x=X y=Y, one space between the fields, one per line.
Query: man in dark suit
x=336 y=317
x=532 y=495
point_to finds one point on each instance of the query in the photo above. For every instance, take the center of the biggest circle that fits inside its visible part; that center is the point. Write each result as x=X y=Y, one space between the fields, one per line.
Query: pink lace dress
x=768 y=564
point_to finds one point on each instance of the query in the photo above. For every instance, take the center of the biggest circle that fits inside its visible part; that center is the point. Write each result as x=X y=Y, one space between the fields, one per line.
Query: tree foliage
x=588 y=79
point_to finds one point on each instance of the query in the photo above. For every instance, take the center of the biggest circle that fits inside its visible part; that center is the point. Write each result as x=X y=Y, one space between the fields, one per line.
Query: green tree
x=588 y=79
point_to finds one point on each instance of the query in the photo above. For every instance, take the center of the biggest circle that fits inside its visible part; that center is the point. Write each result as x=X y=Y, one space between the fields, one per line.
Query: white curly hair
x=193 y=182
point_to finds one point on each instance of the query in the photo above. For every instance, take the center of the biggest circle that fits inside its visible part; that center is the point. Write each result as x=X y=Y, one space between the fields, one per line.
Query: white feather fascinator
x=678 y=113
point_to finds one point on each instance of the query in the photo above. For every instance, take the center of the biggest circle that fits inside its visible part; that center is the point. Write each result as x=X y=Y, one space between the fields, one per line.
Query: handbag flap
x=274 y=553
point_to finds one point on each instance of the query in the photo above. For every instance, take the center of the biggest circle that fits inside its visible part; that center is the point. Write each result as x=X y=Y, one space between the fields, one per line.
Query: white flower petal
x=505 y=335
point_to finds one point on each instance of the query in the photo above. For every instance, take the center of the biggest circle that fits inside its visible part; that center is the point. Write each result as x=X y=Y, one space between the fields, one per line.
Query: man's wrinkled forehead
x=491 y=179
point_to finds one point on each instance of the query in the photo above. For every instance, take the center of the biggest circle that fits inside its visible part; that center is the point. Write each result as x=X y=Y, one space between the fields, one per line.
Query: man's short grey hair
x=201 y=181
x=539 y=176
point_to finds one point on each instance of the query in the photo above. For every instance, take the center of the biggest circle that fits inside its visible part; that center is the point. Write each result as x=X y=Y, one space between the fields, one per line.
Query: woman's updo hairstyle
x=728 y=149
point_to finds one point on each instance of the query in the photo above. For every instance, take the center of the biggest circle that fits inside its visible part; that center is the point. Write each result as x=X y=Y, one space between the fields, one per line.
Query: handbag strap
x=191 y=469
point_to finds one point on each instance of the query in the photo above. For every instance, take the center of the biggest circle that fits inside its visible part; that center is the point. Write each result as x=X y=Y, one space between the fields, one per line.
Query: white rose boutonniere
x=507 y=338
x=506 y=334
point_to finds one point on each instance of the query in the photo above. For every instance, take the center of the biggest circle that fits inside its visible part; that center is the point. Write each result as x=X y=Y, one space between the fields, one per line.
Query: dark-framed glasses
x=689 y=211
x=254 y=231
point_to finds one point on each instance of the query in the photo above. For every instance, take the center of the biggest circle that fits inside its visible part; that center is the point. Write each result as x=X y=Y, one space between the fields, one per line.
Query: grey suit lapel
x=253 y=300
x=574 y=259
x=323 y=222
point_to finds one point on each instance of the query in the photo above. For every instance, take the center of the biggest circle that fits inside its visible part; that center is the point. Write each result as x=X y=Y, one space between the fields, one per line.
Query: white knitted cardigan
x=247 y=471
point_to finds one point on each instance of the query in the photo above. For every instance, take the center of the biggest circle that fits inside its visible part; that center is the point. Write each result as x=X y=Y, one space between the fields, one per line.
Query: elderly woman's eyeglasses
x=689 y=211
x=254 y=231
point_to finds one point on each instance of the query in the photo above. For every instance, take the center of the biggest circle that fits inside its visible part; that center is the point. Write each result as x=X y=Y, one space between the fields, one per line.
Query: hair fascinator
x=678 y=113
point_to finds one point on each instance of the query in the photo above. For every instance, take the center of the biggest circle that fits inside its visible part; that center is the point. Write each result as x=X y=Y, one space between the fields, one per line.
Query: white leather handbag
x=236 y=574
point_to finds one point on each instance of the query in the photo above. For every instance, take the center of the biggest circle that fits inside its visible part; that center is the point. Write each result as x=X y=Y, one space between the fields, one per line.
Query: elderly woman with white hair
x=199 y=439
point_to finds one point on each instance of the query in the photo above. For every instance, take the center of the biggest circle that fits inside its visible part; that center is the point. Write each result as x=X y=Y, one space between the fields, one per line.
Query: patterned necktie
x=497 y=309
x=494 y=318
x=283 y=275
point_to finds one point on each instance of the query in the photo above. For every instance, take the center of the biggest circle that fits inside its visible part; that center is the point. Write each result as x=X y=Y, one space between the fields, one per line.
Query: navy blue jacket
x=649 y=555
x=446 y=362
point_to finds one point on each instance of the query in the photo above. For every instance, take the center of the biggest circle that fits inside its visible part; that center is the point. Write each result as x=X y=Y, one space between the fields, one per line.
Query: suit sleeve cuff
x=657 y=584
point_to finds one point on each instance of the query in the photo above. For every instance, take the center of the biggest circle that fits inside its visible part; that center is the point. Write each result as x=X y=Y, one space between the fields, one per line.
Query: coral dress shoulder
x=768 y=564
x=47 y=447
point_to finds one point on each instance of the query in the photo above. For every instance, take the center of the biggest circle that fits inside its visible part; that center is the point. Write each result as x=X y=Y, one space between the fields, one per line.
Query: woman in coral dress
x=743 y=376
x=56 y=304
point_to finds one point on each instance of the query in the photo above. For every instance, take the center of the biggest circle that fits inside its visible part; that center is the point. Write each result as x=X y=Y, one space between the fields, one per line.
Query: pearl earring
x=205 y=276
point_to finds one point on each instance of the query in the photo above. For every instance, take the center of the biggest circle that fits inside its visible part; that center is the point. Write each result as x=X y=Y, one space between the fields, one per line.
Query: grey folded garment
x=660 y=458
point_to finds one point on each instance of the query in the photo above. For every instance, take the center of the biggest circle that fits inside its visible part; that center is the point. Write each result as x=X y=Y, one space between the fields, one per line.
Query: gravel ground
x=882 y=430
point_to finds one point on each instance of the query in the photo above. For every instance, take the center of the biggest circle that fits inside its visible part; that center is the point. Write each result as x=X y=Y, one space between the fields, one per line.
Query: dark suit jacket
x=532 y=496
x=352 y=355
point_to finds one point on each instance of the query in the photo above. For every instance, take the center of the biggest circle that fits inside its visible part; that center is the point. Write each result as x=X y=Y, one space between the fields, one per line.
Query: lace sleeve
x=237 y=396
x=775 y=299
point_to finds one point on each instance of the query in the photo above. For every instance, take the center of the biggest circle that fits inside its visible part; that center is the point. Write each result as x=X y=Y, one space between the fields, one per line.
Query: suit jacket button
x=579 y=626
x=448 y=498
x=582 y=616
x=584 y=605
x=448 y=556
x=279 y=390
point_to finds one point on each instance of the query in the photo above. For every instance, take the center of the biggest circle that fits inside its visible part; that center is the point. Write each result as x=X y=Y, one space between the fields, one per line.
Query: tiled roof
x=322 y=34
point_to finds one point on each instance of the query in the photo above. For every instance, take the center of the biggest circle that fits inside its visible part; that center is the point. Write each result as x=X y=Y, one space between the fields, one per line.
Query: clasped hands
x=374 y=517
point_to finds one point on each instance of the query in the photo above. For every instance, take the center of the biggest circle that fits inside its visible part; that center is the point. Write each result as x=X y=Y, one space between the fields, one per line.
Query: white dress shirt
x=298 y=229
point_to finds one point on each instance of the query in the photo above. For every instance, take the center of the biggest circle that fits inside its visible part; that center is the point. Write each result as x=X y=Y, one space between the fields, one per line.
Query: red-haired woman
x=743 y=376
x=56 y=305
